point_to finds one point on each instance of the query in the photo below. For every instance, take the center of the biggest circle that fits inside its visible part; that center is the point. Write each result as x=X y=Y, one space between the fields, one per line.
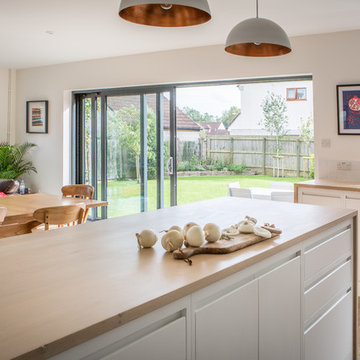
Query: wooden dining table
x=20 y=208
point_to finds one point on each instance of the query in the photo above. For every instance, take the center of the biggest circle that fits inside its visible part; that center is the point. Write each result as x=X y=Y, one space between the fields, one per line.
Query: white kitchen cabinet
x=318 y=296
x=318 y=258
x=330 y=337
x=168 y=342
x=228 y=327
x=331 y=197
x=279 y=313
x=322 y=199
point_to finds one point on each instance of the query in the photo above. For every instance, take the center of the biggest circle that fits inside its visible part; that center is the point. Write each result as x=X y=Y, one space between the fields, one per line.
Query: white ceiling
x=89 y=29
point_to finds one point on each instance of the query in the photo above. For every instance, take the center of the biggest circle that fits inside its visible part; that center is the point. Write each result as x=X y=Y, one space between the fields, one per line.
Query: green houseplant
x=12 y=162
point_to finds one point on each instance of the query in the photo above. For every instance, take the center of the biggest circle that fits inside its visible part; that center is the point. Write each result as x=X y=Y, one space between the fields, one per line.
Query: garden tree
x=275 y=118
x=226 y=117
x=197 y=116
x=229 y=115
x=307 y=131
x=124 y=129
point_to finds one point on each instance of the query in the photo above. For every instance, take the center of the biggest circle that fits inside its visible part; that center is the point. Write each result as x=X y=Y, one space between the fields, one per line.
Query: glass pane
x=87 y=142
x=291 y=94
x=152 y=148
x=123 y=155
x=151 y=152
x=301 y=94
x=99 y=162
x=166 y=148
x=203 y=115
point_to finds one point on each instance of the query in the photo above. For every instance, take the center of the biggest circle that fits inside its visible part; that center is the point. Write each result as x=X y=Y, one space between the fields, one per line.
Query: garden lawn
x=124 y=196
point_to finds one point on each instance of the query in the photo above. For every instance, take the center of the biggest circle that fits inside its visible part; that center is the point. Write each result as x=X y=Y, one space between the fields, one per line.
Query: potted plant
x=13 y=164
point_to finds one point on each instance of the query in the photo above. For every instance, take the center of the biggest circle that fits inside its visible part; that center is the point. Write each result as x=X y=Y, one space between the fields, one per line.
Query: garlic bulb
x=246 y=227
x=212 y=232
x=146 y=239
x=172 y=240
x=187 y=227
x=231 y=231
x=251 y=219
x=177 y=228
x=262 y=232
x=195 y=236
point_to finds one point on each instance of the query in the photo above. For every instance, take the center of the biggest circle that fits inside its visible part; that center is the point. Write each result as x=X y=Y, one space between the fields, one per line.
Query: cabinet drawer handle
x=327 y=196
x=351 y=198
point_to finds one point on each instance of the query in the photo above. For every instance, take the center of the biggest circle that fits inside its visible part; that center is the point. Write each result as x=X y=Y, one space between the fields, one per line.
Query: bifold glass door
x=125 y=148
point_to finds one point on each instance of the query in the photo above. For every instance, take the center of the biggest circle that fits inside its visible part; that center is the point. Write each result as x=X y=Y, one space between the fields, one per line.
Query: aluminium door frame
x=79 y=128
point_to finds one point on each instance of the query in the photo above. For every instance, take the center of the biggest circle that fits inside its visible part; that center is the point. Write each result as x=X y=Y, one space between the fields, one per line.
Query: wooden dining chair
x=3 y=212
x=18 y=229
x=79 y=191
x=60 y=215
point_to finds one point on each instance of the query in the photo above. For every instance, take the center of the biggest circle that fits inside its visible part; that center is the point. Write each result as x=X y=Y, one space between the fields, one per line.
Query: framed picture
x=37 y=117
x=348 y=100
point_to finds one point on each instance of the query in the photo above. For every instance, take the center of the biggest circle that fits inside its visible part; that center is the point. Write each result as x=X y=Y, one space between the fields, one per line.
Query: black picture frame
x=37 y=116
x=348 y=109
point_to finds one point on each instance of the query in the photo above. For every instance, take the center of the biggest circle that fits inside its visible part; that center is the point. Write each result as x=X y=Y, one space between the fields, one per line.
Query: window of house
x=296 y=94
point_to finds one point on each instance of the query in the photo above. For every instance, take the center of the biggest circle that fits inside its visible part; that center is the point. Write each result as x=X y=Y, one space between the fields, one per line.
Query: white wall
x=5 y=104
x=253 y=95
x=331 y=59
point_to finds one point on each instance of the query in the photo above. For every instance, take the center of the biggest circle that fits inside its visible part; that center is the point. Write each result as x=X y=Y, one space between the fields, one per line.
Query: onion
x=212 y=232
x=146 y=239
x=172 y=240
x=195 y=236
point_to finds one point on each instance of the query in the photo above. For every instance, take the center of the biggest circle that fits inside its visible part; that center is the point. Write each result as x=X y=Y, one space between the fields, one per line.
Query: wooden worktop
x=330 y=184
x=64 y=287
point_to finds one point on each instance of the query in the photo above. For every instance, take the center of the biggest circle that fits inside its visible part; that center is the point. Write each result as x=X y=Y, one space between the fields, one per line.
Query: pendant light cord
x=257 y=8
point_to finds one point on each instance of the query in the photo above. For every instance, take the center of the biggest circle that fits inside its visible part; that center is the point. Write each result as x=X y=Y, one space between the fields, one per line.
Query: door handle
x=170 y=165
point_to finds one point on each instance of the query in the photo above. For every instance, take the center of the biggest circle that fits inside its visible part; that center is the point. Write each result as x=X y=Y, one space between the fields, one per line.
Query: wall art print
x=37 y=117
x=348 y=99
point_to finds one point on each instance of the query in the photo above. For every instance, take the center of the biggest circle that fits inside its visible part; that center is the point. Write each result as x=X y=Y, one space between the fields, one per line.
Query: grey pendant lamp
x=173 y=13
x=258 y=37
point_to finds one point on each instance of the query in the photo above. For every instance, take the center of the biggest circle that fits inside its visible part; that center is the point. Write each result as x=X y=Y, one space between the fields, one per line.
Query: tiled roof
x=182 y=120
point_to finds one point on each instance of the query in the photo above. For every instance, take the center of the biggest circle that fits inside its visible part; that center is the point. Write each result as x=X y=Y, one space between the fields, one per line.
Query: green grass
x=124 y=196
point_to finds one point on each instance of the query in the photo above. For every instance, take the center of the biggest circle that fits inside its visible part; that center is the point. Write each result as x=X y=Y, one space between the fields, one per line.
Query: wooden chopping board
x=236 y=243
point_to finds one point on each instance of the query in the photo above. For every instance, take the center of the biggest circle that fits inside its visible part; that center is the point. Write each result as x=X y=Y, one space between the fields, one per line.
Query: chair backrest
x=281 y=185
x=78 y=191
x=3 y=212
x=17 y=229
x=240 y=192
x=233 y=185
x=286 y=196
x=60 y=215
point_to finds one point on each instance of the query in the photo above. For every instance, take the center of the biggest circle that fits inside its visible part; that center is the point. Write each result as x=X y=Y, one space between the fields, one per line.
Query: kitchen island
x=88 y=292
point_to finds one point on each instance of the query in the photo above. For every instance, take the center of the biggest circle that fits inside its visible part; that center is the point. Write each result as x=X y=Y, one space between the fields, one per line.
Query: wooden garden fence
x=257 y=152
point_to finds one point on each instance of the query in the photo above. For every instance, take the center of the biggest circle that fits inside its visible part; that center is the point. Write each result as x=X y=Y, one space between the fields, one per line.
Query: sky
x=211 y=99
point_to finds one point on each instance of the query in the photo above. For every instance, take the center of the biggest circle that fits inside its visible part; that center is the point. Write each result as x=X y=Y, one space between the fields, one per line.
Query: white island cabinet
x=288 y=298
x=331 y=193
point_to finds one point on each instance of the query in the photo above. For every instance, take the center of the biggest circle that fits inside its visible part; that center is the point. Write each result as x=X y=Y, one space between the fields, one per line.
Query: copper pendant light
x=258 y=37
x=173 y=13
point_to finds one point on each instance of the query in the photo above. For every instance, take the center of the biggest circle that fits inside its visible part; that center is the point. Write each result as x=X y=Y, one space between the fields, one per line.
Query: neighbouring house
x=299 y=102
x=214 y=128
x=186 y=128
